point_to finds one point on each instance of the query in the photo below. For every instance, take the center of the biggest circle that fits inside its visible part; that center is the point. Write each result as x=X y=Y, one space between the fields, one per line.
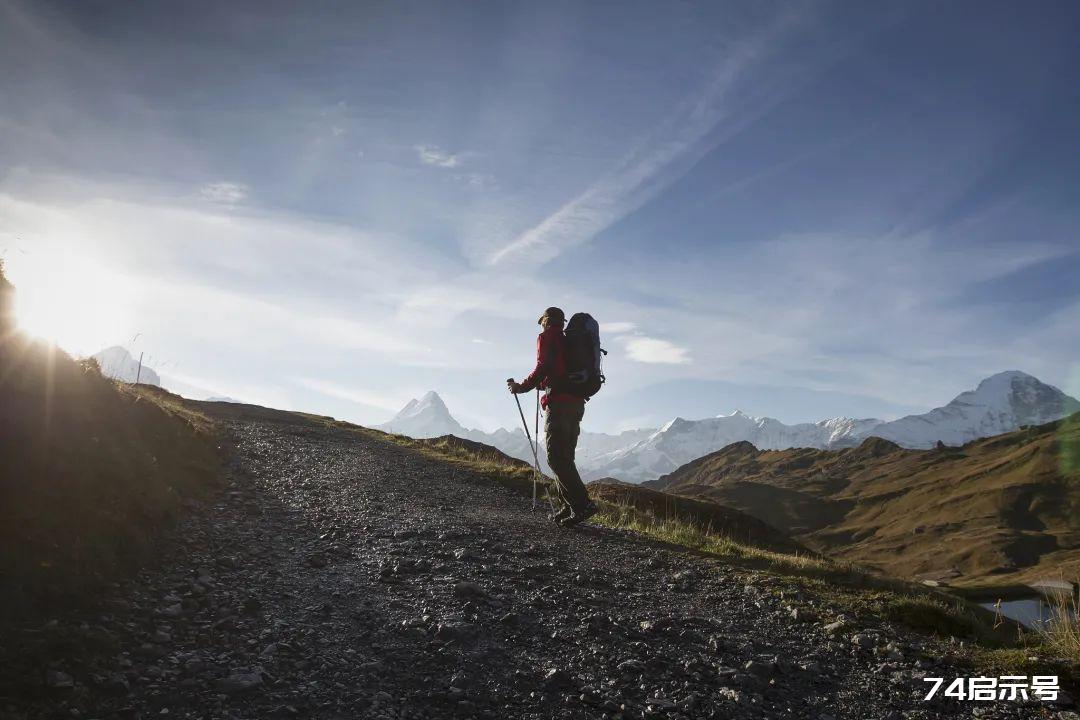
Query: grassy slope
x=997 y=510
x=714 y=519
x=89 y=469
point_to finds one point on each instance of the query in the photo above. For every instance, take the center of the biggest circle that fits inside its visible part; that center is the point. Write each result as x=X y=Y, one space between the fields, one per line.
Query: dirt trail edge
x=340 y=576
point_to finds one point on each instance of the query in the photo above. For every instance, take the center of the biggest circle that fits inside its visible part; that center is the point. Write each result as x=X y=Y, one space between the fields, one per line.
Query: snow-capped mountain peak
x=999 y=404
x=674 y=423
x=432 y=403
x=429 y=417
x=680 y=441
x=426 y=417
x=997 y=390
x=117 y=363
x=1019 y=392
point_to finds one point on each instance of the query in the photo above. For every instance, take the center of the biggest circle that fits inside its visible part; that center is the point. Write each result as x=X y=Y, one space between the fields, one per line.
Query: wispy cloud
x=479 y=181
x=356 y=335
x=363 y=396
x=224 y=193
x=617 y=328
x=692 y=130
x=257 y=247
x=904 y=338
x=268 y=394
x=496 y=294
x=433 y=155
x=652 y=350
x=383 y=257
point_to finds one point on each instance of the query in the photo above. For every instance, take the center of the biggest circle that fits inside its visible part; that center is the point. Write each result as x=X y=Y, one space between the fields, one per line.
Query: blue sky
x=798 y=209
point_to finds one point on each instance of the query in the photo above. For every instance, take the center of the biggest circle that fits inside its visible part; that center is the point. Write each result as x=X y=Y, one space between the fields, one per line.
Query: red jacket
x=550 y=366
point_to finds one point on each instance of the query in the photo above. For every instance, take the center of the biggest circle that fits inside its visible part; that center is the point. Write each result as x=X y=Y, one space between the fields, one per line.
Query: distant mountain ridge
x=999 y=404
x=428 y=417
x=117 y=363
x=680 y=441
x=424 y=418
x=1000 y=507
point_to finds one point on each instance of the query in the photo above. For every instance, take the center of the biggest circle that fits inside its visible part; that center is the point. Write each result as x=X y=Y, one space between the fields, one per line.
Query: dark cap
x=552 y=312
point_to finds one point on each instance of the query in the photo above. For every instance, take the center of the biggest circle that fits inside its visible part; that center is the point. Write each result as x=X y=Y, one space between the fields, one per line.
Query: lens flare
x=70 y=301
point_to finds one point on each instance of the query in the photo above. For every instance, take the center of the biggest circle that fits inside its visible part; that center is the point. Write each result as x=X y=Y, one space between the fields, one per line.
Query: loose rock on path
x=341 y=576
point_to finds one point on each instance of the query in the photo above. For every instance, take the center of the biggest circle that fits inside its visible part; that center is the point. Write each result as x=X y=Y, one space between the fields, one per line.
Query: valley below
x=996 y=511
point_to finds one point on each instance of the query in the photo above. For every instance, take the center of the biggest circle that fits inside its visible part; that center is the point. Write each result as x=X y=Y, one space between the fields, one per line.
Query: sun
x=71 y=301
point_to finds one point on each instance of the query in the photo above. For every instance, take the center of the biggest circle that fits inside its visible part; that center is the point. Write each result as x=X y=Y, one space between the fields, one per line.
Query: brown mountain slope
x=1001 y=509
x=717 y=519
x=475 y=449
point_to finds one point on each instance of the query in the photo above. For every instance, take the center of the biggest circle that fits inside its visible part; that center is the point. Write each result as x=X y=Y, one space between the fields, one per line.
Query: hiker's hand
x=514 y=387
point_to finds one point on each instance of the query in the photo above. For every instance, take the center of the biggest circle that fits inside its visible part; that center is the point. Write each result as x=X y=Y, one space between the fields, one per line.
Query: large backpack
x=584 y=356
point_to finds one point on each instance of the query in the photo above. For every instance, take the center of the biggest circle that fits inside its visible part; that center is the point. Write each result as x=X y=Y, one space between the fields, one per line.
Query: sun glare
x=70 y=301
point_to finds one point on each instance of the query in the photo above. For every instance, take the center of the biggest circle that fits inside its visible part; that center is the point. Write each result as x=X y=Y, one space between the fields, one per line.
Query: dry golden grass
x=714 y=519
x=705 y=539
x=173 y=406
x=1062 y=631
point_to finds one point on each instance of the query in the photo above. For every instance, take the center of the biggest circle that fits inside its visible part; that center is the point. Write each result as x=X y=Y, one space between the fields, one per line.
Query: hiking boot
x=579 y=516
x=560 y=515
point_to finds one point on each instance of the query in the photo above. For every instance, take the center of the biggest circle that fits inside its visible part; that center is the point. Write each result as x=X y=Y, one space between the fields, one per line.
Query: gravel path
x=340 y=576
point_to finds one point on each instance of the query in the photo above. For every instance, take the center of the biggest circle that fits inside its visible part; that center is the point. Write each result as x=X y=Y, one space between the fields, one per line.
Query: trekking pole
x=532 y=447
x=536 y=446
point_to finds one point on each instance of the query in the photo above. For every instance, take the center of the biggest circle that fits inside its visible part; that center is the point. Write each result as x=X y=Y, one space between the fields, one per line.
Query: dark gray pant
x=562 y=425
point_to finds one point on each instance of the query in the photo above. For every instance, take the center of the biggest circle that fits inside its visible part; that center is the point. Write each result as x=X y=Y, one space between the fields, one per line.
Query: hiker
x=562 y=421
